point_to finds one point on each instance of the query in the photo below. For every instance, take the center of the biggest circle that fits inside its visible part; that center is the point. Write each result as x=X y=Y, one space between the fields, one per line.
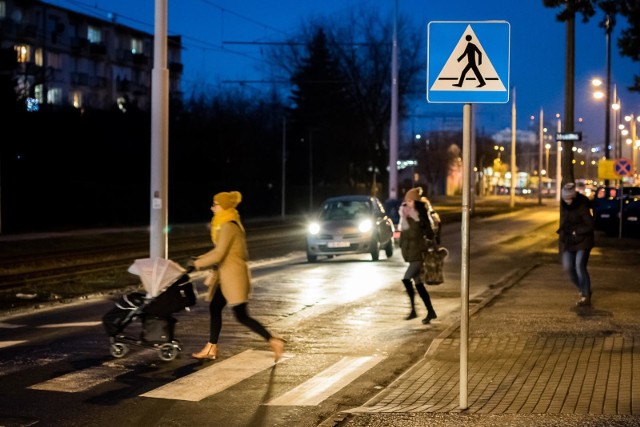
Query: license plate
x=338 y=244
x=604 y=215
x=632 y=218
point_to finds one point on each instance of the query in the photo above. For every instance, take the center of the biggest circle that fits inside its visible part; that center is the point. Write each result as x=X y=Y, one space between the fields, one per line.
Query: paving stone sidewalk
x=534 y=358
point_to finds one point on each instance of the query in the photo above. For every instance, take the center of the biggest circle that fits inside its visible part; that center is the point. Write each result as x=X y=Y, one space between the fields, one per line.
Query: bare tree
x=360 y=45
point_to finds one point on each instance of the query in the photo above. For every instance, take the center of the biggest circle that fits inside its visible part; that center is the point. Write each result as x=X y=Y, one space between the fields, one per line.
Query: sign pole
x=467 y=62
x=464 y=253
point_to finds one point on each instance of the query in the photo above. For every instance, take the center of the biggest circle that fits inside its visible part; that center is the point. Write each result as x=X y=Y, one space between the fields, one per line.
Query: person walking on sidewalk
x=414 y=227
x=229 y=256
x=576 y=239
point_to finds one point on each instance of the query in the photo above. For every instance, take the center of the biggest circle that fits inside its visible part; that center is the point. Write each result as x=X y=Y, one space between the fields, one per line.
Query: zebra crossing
x=212 y=379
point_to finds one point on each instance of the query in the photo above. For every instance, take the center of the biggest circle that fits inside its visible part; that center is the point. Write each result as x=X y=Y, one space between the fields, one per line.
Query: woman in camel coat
x=233 y=285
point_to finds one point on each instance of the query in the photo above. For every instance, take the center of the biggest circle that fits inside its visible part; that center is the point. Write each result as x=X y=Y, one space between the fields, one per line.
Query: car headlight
x=365 y=225
x=314 y=228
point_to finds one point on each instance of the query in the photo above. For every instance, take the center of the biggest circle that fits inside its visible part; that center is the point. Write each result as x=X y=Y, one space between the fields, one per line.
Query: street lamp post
x=559 y=161
x=632 y=119
x=547 y=147
x=608 y=27
x=615 y=106
x=541 y=137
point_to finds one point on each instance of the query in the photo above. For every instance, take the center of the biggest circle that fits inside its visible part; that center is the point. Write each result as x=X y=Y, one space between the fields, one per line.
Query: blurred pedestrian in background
x=576 y=239
x=233 y=286
x=414 y=227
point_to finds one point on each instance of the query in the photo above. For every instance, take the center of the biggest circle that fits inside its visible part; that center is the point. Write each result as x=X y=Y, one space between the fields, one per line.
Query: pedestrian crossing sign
x=468 y=62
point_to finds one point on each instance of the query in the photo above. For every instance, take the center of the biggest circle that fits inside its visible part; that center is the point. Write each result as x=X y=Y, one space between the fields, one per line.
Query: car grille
x=345 y=236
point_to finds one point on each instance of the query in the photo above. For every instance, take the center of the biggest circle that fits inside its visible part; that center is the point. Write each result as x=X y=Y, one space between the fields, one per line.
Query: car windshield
x=345 y=209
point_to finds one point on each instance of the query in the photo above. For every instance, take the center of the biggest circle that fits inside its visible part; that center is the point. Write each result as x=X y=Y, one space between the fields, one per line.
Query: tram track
x=37 y=271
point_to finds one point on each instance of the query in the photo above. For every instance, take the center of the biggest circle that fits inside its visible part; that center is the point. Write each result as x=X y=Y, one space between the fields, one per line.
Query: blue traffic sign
x=623 y=167
x=468 y=62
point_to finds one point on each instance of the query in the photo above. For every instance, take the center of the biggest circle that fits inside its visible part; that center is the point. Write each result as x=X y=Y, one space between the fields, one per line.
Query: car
x=607 y=206
x=631 y=217
x=350 y=224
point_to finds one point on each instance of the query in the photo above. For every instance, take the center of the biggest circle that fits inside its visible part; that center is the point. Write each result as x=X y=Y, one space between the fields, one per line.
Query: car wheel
x=388 y=249
x=375 y=249
x=311 y=258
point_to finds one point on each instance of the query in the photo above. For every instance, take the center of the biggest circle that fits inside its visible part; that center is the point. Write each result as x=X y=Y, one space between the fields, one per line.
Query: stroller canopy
x=156 y=274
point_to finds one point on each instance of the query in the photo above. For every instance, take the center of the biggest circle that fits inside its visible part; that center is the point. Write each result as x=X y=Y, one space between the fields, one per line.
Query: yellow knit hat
x=228 y=200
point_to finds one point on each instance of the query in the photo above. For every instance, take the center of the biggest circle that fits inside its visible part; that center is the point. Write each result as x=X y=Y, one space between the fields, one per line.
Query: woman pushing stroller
x=229 y=256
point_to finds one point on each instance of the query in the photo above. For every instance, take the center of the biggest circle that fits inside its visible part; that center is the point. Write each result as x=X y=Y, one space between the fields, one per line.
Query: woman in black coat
x=414 y=226
x=576 y=239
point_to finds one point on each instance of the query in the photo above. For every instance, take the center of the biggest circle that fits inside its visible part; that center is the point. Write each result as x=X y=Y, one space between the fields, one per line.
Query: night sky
x=213 y=57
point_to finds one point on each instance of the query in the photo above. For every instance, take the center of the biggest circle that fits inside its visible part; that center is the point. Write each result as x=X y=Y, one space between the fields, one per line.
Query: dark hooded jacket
x=576 y=230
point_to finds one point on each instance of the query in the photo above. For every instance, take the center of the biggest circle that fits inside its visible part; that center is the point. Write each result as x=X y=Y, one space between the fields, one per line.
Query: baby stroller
x=168 y=290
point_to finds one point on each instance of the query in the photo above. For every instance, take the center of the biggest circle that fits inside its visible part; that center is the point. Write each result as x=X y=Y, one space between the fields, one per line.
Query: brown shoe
x=210 y=352
x=277 y=345
x=584 y=301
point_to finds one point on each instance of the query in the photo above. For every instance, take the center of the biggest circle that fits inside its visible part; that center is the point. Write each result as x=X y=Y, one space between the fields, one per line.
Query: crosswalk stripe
x=327 y=382
x=10 y=343
x=70 y=325
x=217 y=377
x=75 y=382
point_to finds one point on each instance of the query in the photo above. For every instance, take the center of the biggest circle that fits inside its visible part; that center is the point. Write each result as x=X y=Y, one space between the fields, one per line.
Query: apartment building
x=61 y=58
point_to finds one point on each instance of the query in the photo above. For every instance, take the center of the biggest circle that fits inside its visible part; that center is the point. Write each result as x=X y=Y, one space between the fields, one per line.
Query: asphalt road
x=55 y=366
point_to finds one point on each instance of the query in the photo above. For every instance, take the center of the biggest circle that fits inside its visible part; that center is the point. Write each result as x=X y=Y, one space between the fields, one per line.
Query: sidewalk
x=534 y=359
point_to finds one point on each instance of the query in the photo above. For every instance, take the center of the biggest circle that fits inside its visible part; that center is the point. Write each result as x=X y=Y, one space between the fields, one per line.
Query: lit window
x=38 y=57
x=38 y=93
x=54 y=96
x=3 y=9
x=76 y=99
x=136 y=46
x=94 y=34
x=24 y=52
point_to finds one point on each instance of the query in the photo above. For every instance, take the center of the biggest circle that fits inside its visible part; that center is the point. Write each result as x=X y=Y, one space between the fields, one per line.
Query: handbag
x=433 y=263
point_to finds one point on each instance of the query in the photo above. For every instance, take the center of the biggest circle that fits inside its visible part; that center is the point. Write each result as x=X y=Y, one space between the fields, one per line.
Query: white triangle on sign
x=453 y=69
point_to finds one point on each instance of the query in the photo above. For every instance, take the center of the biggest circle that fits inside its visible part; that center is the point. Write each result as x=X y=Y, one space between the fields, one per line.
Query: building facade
x=61 y=58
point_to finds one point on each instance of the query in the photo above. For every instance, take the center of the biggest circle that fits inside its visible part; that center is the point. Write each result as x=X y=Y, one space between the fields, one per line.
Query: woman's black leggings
x=241 y=311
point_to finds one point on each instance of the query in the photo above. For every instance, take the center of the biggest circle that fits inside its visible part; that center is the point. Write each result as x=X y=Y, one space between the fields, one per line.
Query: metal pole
x=559 y=161
x=633 y=149
x=541 y=136
x=158 y=242
x=393 y=131
x=474 y=175
x=615 y=107
x=607 y=102
x=512 y=199
x=464 y=254
x=310 y=170
x=284 y=163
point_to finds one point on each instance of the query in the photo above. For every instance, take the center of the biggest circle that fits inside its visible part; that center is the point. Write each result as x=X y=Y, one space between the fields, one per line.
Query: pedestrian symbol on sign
x=456 y=69
x=470 y=52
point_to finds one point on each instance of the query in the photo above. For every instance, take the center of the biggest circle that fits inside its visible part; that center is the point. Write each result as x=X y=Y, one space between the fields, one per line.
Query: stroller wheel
x=168 y=352
x=119 y=349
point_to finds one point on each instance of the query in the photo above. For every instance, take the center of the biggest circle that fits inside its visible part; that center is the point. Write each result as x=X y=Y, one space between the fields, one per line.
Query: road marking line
x=70 y=325
x=327 y=382
x=216 y=378
x=83 y=380
x=10 y=325
x=4 y=344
